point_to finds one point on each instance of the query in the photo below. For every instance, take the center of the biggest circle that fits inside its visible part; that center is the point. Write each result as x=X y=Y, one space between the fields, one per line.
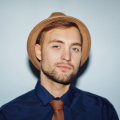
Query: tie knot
x=56 y=104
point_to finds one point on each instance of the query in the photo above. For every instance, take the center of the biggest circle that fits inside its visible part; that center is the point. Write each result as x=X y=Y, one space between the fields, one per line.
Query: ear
x=38 y=51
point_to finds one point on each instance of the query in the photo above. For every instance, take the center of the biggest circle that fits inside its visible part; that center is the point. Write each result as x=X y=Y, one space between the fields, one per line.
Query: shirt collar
x=46 y=97
x=43 y=94
x=68 y=97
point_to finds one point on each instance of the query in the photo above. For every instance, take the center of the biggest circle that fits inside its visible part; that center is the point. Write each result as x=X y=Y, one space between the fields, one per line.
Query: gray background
x=102 y=70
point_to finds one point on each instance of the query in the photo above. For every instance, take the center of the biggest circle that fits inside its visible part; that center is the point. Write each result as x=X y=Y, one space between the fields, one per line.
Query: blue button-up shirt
x=79 y=105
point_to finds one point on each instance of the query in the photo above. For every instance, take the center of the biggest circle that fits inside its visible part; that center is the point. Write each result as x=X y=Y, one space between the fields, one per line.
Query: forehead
x=70 y=34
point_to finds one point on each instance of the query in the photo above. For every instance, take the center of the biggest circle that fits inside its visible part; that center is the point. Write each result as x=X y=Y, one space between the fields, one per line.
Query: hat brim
x=86 y=45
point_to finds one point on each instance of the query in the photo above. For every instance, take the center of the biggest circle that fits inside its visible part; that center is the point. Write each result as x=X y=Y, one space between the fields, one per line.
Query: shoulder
x=95 y=103
x=19 y=107
x=90 y=97
x=24 y=99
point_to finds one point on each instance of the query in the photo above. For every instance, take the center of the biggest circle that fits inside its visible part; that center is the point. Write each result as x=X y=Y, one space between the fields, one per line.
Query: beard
x=61 y=77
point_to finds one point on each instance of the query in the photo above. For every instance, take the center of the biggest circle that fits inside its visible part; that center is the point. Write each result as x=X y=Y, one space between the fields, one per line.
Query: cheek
x=50 y=57
x=76 y=60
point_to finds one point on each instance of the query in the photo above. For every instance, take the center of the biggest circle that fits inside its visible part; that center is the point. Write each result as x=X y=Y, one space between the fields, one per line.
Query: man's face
x=61 y=54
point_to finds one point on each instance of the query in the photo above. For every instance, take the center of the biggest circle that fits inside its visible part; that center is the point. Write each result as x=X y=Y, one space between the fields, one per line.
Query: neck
x=54 y=88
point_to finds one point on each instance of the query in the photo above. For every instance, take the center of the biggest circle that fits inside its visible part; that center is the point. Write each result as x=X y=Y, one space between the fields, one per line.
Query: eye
x=57 y=47
x=75 y=49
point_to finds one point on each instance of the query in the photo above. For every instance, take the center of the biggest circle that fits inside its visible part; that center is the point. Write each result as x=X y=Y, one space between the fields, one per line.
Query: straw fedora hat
x=55 y=17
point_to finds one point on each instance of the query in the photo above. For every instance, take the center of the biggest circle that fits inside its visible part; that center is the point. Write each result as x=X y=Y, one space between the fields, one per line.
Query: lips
x=64 y=67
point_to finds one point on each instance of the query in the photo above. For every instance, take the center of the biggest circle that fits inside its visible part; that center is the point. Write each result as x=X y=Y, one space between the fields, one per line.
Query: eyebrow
x=55 y=41
x=59 y=41
x=78 y=44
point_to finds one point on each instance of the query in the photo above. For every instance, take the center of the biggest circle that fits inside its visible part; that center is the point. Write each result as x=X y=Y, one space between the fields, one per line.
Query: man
x=58 y=46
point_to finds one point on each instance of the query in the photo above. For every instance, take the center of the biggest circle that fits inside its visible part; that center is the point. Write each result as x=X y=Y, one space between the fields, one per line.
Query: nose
x=66 y=55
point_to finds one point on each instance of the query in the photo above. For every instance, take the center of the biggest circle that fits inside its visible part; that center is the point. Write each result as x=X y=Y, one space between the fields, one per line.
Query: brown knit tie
x=57 y=106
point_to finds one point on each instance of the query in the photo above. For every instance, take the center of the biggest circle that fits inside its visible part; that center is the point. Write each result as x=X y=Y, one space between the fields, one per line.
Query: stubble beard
x=62 y=78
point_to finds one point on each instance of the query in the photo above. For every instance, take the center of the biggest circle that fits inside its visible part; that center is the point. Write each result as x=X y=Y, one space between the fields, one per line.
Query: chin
x=62 y=77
